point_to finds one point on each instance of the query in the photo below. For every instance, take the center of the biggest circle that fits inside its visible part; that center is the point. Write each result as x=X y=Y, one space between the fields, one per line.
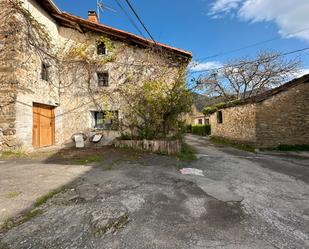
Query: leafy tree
x=154 y=110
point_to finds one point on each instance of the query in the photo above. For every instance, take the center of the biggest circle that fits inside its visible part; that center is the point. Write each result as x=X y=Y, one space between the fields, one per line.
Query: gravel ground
x=142 y=201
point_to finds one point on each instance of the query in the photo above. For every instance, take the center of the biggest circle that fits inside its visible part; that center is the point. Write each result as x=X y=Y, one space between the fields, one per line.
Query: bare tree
x=243 y=78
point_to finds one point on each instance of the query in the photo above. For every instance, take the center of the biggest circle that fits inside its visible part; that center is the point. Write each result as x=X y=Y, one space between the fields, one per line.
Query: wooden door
x=43 y=133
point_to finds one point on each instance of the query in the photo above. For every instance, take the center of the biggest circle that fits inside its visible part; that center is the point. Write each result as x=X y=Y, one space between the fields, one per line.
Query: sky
x=213 y=29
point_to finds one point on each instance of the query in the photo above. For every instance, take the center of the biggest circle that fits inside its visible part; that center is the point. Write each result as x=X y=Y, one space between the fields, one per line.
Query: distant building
x=196 y=117
x=277 y=116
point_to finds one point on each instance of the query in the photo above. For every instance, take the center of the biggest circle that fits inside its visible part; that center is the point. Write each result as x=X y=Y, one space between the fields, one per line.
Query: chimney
x=92 y=16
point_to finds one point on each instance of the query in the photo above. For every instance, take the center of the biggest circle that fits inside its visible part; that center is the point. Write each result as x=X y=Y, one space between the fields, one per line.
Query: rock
x=87 y=192
x=8 y=132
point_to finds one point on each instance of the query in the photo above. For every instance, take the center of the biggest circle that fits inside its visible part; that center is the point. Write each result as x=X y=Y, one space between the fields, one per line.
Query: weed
x=89 y=159
x=237 y=145
x=10 y=223
x=187 y=153
x=13 y=194
x=12 y=155
x=43 y=199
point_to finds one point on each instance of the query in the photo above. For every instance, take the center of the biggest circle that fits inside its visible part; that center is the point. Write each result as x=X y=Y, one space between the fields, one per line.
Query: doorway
x=43 y=132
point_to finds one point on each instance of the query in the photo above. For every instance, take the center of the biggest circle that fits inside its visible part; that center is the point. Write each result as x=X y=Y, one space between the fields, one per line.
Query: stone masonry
x=239 y=124
x=72 y=92
x=282 y=118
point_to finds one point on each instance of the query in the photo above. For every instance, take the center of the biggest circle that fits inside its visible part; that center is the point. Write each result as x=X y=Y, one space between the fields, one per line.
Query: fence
x=169 y=147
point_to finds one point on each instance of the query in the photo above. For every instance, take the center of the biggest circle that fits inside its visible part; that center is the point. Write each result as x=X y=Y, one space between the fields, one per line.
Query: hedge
x=201 y=130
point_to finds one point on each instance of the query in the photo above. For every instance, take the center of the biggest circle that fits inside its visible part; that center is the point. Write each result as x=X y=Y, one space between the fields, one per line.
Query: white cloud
x=196 y=66
x=289 y=15
x=223 y=6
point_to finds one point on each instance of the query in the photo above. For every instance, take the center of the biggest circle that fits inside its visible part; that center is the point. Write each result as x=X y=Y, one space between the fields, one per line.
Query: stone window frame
x=219 y=117
x=102 y=78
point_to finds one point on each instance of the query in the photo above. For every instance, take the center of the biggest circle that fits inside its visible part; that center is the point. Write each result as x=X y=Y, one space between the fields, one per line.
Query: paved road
x=142 y=201
x=275 y=190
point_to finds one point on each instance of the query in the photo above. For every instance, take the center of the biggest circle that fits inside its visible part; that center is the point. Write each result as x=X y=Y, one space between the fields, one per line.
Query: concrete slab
x=22 y=183
x=219 y=191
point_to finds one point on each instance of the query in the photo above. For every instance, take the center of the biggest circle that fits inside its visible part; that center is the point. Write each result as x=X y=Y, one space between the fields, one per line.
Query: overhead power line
x=140 y=20
x=254 y=61
x=250 y=46
x=130 y=19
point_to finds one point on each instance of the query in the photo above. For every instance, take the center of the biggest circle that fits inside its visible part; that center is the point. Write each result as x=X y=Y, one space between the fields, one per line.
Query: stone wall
x=80 y=94
x=284 y=118
x=31 y=88
x=9 y=48
x=239 y=124
x=71 y=89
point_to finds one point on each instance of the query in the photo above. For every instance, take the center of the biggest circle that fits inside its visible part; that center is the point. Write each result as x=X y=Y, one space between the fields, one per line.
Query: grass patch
x=89 y=159
x=296 y=147
x=43 y=199
x=12 y=222
x=13 y=155
x=187 y=153
x=13 y=194
x=233 y=144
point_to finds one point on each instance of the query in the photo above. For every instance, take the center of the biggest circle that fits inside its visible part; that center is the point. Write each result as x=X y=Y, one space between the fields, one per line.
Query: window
x=107 y=120
x=102 y=78
x=44 y=71
x=219 y=117
x=207 y=121
x=101 y=49
x=200 y=121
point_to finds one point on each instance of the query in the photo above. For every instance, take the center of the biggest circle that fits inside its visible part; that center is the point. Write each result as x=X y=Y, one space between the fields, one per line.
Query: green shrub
x=201 y=130
x=188 y=128
x=187 y=153
x=296 y=147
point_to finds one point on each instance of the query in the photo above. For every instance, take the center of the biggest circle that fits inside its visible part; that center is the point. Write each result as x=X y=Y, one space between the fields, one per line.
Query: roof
x=80 y=24
x=267 y=94
x=50 y=6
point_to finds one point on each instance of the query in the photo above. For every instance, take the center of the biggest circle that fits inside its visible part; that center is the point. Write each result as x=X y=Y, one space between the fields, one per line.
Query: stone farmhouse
x=279 y=116
x=60 y=73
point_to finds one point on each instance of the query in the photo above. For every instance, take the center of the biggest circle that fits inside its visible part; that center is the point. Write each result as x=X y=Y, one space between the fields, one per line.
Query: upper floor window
x=219 y=117
x=102 y=78
x=45 y=71
x=101 y=48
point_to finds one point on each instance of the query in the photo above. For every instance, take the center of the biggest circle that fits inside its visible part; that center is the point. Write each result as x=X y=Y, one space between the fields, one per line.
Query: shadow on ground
x=127 y=199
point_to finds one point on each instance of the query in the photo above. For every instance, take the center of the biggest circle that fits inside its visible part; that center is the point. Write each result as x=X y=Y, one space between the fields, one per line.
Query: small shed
x=279 y=116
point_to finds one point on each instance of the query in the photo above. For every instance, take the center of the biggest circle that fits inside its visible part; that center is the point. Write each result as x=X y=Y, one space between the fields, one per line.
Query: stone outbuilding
x=279 y=116
x=43 y=101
